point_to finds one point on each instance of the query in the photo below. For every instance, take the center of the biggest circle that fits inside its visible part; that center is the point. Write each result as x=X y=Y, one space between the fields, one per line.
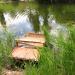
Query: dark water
x=32 y=17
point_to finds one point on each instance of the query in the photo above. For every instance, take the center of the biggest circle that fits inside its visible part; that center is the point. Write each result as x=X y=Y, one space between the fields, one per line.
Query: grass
x=19 y=7
x=57 y=57
x=60 y=61
x=56 y=62
x=6 y=46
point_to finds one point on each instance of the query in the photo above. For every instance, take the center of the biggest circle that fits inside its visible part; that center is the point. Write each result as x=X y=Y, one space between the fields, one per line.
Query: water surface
x=30 y=17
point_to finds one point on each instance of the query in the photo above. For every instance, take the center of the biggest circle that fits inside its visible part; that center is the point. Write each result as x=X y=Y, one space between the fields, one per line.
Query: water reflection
x=18 y=25
x=56 y=28
x=35 y=21
x=31 y=21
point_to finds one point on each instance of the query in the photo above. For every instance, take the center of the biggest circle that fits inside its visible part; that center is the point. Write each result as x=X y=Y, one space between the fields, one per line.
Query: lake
x=22 y=17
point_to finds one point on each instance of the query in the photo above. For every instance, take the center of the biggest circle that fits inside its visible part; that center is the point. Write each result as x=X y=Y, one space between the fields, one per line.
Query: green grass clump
x=6 y=46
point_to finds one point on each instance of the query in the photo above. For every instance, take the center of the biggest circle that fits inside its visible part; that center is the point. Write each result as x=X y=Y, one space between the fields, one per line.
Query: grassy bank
x=55 y=59
x=6 y=46
x=60 y=61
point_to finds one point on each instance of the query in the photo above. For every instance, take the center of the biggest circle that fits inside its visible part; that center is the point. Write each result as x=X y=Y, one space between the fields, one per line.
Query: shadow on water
x=34 y=19
x=15 y=2
x=2 y=19
x=43 y=10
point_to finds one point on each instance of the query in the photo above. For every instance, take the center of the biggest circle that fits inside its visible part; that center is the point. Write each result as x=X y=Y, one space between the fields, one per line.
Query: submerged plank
x=25 y=53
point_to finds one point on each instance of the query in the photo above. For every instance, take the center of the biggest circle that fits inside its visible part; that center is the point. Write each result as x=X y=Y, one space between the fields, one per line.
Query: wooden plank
x=35 y=44
x=30 y=44
x=25 y=54
x=37 y=35
x=31 y=39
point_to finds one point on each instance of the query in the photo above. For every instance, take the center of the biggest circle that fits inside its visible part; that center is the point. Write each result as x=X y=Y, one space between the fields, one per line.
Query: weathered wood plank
x=29 y=44
x=37 y=35
x=25 y=54
x=31 y=39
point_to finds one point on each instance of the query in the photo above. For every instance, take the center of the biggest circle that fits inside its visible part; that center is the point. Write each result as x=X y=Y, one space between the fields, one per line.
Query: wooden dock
x=26 y=47
x=32 y=34
x=31 y=39
x=25 y=53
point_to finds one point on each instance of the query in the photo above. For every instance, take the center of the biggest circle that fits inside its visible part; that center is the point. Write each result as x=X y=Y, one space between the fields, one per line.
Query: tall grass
x=6 y=45
x=60 y=61
x=68 y=53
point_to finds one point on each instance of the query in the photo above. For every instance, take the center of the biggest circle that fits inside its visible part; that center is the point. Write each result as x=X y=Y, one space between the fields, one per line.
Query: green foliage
x=6 y=46
x=34 y=20
x=64 y=13
x=60 y=61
